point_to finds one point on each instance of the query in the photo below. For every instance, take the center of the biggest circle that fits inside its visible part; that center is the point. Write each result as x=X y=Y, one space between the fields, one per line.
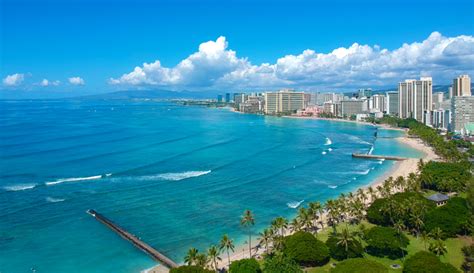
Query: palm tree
x=314 y=209
x=305 y=218
x=191 y=256
x=436 y=233
x=424 y=238
x=399 y=226
x=345 y=238
x=227 y=244
x=438 y=247
x=201 y=260
x=372 y=193
x=266 y=237
x=332 y=214
x=247 y=221
x=213 y=255
x=417 y=222
x=296 y=224
x=280 y=224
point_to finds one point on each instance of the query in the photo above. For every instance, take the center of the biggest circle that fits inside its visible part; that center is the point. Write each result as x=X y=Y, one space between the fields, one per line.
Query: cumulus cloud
x=76 y=81
x=214 y=65
x=14 y=79
x=46 y=82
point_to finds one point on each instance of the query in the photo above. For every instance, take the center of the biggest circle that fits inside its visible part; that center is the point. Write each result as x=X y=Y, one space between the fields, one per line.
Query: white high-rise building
x=462 y=86
x=378 y=103
x=462 y=109
x=284 y=101
x=438 y=98
x=392 y=103
x=415 y=98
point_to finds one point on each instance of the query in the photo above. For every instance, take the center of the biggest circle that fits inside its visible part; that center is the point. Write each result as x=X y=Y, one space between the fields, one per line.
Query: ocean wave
x=359 y=140
x=20 y=187
x=294 y=204
x=330 y=149
x=332 y=186
x=54 y=200
x=371 y=150
x=181 y=176
x=324 y=152
x=76 y=179
x=328 y=141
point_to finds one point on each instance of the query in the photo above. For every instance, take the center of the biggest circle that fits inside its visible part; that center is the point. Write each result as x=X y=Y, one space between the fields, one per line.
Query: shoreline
x=400 y=168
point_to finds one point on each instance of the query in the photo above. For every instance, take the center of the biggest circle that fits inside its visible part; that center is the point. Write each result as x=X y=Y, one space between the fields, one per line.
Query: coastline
x=399 y=168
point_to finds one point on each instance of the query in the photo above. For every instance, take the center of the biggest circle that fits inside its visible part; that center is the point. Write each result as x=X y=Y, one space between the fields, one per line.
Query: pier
x=387 y=157
x=157 y=256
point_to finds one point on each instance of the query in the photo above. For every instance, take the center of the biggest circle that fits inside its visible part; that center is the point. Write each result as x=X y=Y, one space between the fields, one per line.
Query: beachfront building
x=415 y=98
x=353 y=107
x=440 y=118
x=462 y=86
x=240 y=98
x=438 y=98
x=283 y=101
x=391 y=103
x=439 y=199
x=377 y=103
x=227 y=97
x=462 y=109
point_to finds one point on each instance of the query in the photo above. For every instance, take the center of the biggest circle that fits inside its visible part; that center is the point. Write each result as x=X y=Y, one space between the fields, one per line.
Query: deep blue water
x=175 y=176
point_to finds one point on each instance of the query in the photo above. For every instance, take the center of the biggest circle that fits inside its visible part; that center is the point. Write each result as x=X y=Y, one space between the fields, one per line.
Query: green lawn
x=454 y=255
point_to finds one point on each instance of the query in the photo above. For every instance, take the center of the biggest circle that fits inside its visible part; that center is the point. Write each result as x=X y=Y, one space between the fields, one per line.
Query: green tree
x=438 y=247
x=190 y=258
x=279 y=263
x=227 y=244
x=425 y=262
x=247 y=221
x=266 y=238
x=245 y=266
x=213 y=255
x=305 y=249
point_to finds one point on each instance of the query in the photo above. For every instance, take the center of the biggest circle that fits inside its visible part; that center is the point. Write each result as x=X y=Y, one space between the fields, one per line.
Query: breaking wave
x=332 y=186
x=294 y=204
x=371 y=150
x=21 y=187
x=324 y=152
x=181 y=176
x=54 y=200
x=328 y=141
x=76 y=179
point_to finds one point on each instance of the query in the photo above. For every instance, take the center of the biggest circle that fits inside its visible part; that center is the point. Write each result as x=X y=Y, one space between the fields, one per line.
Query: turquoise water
x=175 y=176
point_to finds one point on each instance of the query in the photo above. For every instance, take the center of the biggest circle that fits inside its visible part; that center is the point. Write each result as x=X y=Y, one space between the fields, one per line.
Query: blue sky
x=99 y=44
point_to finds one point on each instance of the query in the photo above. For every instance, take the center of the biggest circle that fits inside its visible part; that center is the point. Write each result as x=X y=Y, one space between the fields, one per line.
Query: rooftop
x=438 y=197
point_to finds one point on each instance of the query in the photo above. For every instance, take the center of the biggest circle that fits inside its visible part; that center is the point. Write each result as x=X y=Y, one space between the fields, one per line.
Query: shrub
x=450 y=218
x=280 y=264
x=190 y=269
x=305 y=249
x=359 y=265
x=245 y=266
x=338 y=251
x=385 y=241
x=425 y=262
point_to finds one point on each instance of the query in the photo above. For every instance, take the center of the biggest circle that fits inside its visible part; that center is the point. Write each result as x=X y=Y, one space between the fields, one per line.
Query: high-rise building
x=415 y=98
x=361 y=93
x=219 y=98
x=227 y=97
x=462 y=109
x=240 y=98
x=378 y=103
x=392 y=103
x=353 y=107
x=284 y=101
x=438 y=98
x=462 y=86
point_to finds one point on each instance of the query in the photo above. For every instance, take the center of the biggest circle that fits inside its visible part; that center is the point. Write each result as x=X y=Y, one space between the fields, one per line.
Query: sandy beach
x=400 y=168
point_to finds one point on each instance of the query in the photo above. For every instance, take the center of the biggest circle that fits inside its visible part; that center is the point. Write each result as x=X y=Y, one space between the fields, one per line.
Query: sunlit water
x=175 y=176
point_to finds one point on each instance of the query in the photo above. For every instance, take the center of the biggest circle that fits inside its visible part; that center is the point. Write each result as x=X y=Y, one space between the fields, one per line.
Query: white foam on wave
x=76 y=179
x=324 y=152
x=328 y=141
x=330 y=149
x=332 y=186
x=359 y=140
x=54 y=200
x=181 y=176
x=371 y=150
x=20 y=187
x=294 y=204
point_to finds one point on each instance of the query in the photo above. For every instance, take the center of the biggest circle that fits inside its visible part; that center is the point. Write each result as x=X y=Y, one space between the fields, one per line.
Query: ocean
x=176 y=176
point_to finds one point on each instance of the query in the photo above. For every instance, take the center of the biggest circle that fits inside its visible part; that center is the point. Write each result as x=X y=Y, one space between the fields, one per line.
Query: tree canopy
x=190 y=269
x=425 y=262
x=338 y=251
x=446 y=176
x=305 y=249
x=245 y=266
x=451 y=218
x=280 y=264
x=385 y=241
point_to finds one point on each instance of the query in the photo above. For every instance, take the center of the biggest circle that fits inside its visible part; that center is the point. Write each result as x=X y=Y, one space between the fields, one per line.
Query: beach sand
x=400 y=168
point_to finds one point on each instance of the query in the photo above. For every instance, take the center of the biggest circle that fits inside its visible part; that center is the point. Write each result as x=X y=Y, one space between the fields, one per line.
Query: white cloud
x=76 y=81
x=214 y=65
x=14 y=79
x=46 y=82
